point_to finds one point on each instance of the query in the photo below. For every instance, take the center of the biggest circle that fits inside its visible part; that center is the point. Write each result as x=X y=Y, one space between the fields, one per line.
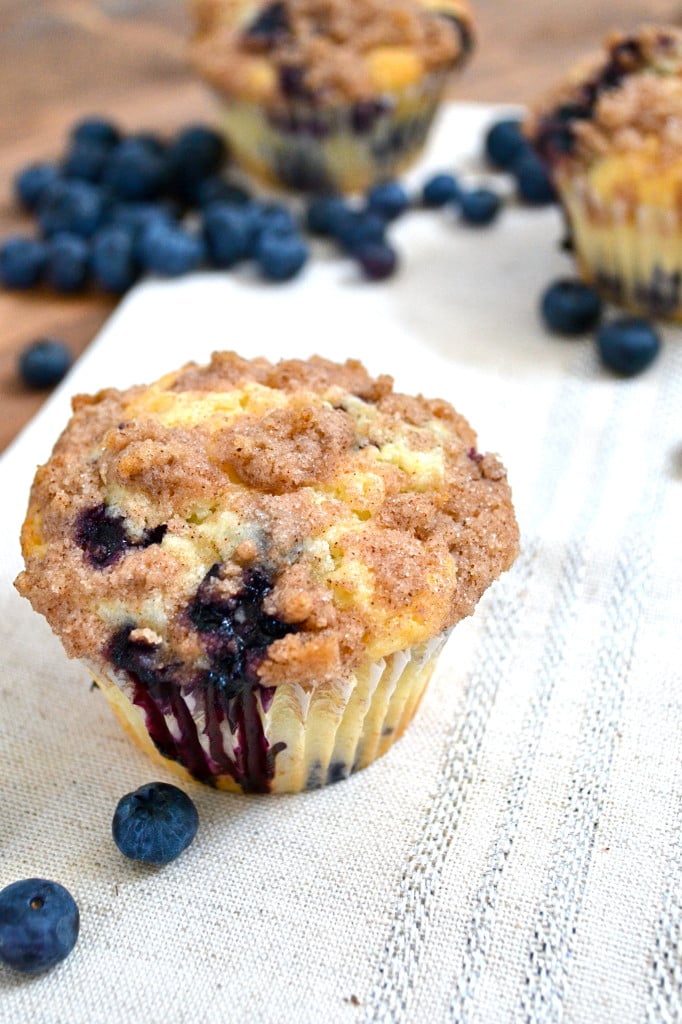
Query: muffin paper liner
x=631 y=253
x=285 y=739
x=310 y=148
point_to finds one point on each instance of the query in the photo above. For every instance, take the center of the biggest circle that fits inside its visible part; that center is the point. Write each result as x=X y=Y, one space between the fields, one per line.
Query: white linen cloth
x=517 y=856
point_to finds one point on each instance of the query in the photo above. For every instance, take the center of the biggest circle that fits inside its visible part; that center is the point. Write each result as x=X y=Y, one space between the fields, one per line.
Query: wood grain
x=62 y=59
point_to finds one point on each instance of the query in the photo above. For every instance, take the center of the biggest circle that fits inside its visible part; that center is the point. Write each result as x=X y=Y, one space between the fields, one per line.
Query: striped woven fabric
x=517 y=856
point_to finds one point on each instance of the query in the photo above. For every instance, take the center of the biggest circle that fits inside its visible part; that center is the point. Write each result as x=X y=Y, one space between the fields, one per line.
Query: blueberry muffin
x=260 y=563
x=324 y=95
x=612 y=135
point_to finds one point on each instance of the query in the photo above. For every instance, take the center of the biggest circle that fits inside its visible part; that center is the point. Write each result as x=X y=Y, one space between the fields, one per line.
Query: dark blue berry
x=504 y=143
x=322 y=212
x=97 y=130
x=570 y=307
x=68 y=262
x=150 y=141
x=104 y=537
x=270 y=23
x=31 y=183
x=39 y=924
x=228 y=234
x=114 y=263
x=628 y=345
x=355 y=228
x=533 y=182
x=43 y=363
x=440 y=190
x=272 y=217
x=169 y=250
x=479 y=207
x=155 y=823
x=280 y=255
x=387 y=198
x=216 y=190
x=378 y=260
x=196 y=153
x=85 y=161
x=138 y=216
x=135 y=171
x=22 y=262
x=74 y=206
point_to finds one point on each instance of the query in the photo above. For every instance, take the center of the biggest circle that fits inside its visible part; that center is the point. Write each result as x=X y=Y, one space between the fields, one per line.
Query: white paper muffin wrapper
x=632 y=255
x=306 y=738
x=344 y=148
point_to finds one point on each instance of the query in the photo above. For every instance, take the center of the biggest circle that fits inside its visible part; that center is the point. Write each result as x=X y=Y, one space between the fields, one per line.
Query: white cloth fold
x=517 y=855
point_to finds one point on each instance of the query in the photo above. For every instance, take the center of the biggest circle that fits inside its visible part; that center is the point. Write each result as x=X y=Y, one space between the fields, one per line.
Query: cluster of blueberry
x=625 y=344
x=39 y=919
x=117 y=207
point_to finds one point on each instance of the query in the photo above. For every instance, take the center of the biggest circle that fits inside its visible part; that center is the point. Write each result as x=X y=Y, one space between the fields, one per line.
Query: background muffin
x=612 y=134
x=260 y=562
x=324 y=94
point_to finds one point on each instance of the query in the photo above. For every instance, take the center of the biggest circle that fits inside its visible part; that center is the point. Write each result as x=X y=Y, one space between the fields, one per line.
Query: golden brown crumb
x=372 y=515
x=328 y=40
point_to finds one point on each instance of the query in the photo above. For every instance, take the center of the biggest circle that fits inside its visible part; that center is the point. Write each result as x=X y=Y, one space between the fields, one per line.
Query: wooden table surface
x=63 y=59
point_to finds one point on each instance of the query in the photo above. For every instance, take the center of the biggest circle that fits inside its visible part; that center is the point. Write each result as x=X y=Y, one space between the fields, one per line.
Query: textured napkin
x=517 y=856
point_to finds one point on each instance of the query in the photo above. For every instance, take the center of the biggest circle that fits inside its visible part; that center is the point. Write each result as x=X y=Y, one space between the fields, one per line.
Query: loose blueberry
x=533 y=182
x=570 y=307
x=628 y=345
x=75 y=206
x=31 y=183
x=155 y=823
x=169 y=250
x=355 y=228
x=280 y=255
x=68 y=262
x=150 y=141
x=39 y=924
x=96 y=130
x=269 y=24
x=504 y=143
x=479 y=207
x=272 y=217
x=85 y=161
x=228 y=234
x=216 y=190
x=43 y=363
x=22 y=262
x=322 y=213
x=138 y=216
x=197 y=153
x=114 y=263
x=378 y=260
x=135 y=171
x=387 y=198
x=440 y=190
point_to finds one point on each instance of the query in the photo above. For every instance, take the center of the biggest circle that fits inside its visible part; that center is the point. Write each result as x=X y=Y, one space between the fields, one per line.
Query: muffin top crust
x=623 y=102
x=303 y=508
x=326 y=52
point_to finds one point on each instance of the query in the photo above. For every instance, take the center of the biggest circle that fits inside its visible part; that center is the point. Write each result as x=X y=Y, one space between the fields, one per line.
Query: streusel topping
x=347 y=520
x=626 y=100
x=325 y=51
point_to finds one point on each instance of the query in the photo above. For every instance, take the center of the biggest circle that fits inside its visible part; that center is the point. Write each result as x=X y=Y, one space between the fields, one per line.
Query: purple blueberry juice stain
x=235 y=633
x=104 y=538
